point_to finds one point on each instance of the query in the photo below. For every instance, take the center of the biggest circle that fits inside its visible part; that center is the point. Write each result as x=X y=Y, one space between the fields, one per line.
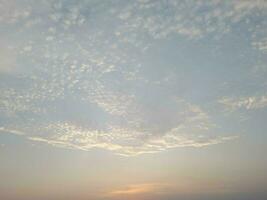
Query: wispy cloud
x=140 y=189
x=125 y=142
x=16 y=132
x=248 y=103
x=167 y=189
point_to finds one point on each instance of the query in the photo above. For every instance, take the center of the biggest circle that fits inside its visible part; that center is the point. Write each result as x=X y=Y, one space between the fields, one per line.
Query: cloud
x=139 y=189
x=12 y=131
x=165 y=190
x=192 y=131
x=248 y=103
x=259 y=39
x=85 y=81
x=185 y=18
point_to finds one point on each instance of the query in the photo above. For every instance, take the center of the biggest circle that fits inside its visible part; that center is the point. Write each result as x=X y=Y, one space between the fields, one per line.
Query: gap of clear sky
x=138 y=100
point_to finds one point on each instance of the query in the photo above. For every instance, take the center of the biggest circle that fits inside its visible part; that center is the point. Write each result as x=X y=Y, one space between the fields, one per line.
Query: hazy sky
x=133 y=99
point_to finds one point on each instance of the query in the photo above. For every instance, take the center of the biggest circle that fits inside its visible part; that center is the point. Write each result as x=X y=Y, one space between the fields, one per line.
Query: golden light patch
x=139 y=189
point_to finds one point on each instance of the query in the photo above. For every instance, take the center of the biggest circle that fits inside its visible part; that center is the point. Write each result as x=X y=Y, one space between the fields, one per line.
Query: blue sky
x=135 y=80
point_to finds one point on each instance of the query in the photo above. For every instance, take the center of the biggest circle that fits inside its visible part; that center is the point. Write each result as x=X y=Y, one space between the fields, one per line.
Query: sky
x=133 y=99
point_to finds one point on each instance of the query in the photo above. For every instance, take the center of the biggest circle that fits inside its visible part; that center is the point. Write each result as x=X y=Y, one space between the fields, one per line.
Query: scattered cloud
x=248 y=103
x=81 y=76
x=192 y=131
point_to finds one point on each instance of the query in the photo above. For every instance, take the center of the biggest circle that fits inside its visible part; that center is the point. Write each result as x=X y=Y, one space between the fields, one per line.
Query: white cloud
x=12 y=131
x=249 y=103
x=73 y=60
x=185 y=17
x=192 y=130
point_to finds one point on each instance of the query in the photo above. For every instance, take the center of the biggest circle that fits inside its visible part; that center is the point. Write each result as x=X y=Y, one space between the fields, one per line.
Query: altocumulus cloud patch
x=86 y=75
